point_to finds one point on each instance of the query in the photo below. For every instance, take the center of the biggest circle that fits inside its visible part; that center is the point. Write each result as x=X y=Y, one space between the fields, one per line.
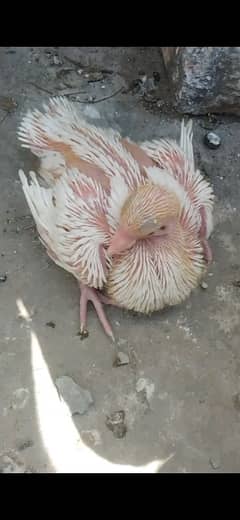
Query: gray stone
x=204 y=79
x=121 y=359
x=212 y=140
x=215 y=462
x=77 y=399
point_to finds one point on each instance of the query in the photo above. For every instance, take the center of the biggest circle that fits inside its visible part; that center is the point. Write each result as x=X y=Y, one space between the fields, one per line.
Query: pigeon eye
x=162 y=228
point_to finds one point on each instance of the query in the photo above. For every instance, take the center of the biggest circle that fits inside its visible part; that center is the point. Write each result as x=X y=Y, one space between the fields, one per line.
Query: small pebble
x=212 y=140
x=214 y=462
x=91 y=437
x=121 y=359
x=115 y=423
x=50 y=324
x=3 y=278
x=204 y=285
x=56 y=60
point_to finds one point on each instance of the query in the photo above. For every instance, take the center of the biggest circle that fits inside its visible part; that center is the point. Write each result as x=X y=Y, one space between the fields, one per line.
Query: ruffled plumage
x=90 y=174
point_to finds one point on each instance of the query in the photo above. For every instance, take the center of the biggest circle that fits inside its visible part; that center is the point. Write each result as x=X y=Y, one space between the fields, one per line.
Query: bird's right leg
x=92 y=295
x=207 y=252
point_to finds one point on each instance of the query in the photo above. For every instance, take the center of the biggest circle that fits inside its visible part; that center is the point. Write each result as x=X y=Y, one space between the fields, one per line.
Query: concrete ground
x=181 y=390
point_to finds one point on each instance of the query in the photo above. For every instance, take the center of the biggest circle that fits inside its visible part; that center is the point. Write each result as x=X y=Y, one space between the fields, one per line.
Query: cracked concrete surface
x=181 y=390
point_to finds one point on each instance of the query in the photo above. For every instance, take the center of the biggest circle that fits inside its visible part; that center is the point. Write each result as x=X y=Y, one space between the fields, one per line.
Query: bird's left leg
x=92 y=295
x=207 y=252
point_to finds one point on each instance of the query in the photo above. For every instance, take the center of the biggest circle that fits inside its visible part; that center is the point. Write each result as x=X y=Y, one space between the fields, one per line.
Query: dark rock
x=236 y=283
x=115 y=423
x=83 y=334
x=51 y=324
x=204 y=79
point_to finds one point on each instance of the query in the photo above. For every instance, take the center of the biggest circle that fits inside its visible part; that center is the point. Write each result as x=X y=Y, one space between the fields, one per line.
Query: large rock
x=204 y=79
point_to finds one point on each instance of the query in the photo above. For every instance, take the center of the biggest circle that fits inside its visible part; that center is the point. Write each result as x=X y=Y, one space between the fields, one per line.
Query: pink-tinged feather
x=132 y=220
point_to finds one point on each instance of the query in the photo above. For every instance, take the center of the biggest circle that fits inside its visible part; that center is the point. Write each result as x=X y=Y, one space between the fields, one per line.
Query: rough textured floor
x=181 y=390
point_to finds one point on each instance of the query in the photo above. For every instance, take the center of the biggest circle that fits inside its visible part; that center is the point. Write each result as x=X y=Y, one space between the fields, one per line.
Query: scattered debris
x=25 y=445
x=121 y=359
x=83 y=334
x=3 y=278
x=204 y=285
x=209 y=122
x=115 y=423
x=215 y=462
x=8 y=104
x=236 y=283
x=212 y=140
x=77 y=400
x=50 y=324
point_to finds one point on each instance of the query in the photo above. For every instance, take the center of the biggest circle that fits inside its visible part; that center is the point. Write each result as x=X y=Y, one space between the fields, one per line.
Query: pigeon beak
x=121 y=241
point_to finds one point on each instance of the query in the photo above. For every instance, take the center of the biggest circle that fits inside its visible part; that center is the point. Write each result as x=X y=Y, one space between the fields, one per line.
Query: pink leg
x=207 y=252
x=92 y=295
